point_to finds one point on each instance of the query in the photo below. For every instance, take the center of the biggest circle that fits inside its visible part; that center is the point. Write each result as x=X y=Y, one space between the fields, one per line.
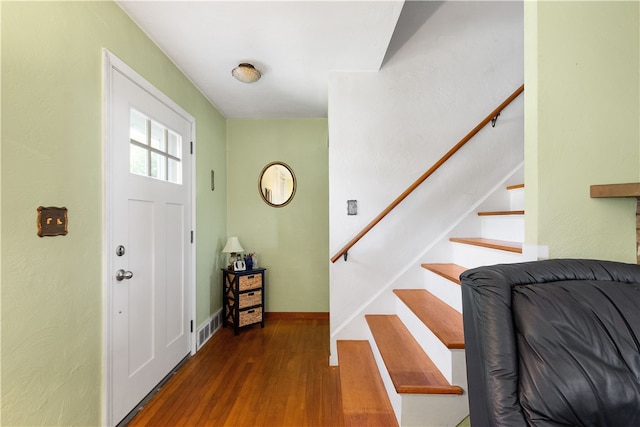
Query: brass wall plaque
x=52 y=221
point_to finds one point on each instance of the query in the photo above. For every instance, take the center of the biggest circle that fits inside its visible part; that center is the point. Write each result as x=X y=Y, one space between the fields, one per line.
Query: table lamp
x=233 y=247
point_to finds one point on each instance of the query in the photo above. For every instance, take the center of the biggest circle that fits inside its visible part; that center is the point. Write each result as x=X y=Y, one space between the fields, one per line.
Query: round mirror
x=277 y=184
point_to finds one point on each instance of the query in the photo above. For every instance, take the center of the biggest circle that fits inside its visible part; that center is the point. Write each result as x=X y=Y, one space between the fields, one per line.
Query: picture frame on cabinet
x=239 y=266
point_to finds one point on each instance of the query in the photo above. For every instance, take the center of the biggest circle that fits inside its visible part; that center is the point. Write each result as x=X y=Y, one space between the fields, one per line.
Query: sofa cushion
x=578 y=352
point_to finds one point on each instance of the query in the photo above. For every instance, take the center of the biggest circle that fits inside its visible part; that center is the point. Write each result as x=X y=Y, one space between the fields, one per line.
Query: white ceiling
x=294 y=44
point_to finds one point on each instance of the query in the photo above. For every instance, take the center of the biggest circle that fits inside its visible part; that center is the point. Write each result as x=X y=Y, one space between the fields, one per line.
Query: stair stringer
x=356 y=328
x=411 y=274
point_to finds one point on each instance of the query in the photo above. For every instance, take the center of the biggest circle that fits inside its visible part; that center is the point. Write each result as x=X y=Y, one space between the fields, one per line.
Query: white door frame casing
x=111 y=63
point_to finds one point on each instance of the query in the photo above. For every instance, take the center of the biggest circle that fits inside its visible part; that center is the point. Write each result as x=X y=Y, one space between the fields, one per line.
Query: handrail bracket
x=494 y=120
x=345 y=255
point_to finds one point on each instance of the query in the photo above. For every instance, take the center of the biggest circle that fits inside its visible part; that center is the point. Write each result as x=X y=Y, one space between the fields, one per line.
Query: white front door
x=149 y=231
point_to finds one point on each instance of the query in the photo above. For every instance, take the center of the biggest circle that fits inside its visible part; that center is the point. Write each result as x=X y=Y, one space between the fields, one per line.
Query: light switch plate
x=352 y=207
x=52 y=221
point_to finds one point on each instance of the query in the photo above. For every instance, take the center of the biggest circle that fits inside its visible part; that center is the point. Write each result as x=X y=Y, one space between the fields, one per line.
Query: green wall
x=52 y=336
x=582 y=109
x=291 y=241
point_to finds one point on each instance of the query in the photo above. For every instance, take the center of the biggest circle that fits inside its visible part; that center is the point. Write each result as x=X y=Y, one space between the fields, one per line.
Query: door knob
x=121 y=275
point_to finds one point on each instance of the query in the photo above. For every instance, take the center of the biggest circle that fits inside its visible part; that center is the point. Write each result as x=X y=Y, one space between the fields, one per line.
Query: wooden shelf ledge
x=631 y=189
x=616 y=190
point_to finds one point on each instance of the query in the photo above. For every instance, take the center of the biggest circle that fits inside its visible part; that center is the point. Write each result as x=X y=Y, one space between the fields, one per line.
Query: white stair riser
x=472 y=256
x=503 y=227
x=516 y=199
x=459 y=377
x=446 y=290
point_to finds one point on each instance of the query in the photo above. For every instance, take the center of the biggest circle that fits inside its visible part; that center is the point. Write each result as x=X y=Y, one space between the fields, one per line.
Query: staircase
x=413 y=366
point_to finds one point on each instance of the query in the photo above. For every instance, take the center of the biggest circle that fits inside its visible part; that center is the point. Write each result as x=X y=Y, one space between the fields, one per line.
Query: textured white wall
x=387 y=128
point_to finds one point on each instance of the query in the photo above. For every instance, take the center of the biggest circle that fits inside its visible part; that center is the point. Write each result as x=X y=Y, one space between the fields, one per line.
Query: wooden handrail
x=427 y=174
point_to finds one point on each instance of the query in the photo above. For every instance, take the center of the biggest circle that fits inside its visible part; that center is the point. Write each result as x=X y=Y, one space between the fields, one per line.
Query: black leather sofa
x=553 y=343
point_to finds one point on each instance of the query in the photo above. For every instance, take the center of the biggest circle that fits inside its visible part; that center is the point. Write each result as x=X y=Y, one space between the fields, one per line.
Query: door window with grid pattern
x=155 y=150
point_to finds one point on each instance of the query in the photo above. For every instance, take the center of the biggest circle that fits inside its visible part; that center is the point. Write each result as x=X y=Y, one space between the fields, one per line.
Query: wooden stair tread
x=448 y=271
x=514 y=187
x=409 y=367
x=364 y=399
x=490 y=243
x=444 y=321
x=497 y=213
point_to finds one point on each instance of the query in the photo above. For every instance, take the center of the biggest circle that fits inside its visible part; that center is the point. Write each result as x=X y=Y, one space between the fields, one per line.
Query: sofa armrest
x=491 y=333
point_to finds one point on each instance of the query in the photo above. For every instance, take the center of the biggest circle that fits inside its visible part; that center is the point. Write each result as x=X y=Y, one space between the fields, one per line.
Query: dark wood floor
x=276 y=376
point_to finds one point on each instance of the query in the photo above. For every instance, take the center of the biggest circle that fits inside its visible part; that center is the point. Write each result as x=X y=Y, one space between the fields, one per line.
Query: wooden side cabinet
x=243 y=298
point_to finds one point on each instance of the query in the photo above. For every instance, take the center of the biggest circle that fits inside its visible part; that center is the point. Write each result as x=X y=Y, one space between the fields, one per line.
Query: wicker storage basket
x=250 y=316
x=250 y=282
x=250 y=299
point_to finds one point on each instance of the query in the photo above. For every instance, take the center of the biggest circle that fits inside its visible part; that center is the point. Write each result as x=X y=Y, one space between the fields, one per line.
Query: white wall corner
x=531 y=252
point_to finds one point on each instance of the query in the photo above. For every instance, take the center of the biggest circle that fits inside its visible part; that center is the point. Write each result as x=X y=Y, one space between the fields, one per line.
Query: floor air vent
x=209 y=328
x=203 y=335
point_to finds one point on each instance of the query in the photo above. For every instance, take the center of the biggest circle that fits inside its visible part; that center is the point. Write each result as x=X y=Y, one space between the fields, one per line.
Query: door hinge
x=191 y=147
x=191 y=236
x=192 y=326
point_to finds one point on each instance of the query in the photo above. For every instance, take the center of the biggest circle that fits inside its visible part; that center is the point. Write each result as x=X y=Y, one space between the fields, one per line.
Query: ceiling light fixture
x=246 y=73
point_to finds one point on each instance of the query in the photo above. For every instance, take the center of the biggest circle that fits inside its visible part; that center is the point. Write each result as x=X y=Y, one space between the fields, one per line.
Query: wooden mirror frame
x=264 y=191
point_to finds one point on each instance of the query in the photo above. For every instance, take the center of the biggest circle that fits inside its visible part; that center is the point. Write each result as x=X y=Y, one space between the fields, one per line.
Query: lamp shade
x=246 y=73
x=232 y=246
